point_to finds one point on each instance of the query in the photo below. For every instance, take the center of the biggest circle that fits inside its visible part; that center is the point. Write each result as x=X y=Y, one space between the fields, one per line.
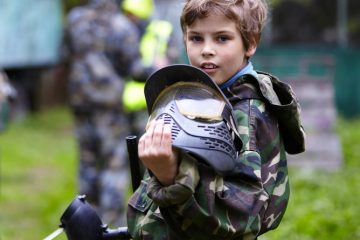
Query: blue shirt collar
x=248 y=69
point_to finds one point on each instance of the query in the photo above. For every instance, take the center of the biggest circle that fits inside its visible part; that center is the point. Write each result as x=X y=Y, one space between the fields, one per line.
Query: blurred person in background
x=157 y=46
x=103 y=47
x=7 y=94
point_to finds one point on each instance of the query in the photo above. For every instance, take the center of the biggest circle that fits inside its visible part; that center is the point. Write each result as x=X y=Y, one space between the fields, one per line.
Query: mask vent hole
x=220 y=132
x=217 y=144
x=172 y=108
x=175 y=130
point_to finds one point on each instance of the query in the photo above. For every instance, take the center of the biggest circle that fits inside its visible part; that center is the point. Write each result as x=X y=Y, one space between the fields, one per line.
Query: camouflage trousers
x=103 y=174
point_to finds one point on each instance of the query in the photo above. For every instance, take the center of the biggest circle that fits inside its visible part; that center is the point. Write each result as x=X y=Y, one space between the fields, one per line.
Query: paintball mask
x=200 y=116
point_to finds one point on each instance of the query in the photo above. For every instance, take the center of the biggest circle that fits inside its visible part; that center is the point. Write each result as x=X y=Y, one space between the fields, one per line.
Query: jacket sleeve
x=233 y=206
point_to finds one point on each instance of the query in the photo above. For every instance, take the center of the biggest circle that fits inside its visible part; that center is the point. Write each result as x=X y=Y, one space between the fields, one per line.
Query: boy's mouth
x=208 y=67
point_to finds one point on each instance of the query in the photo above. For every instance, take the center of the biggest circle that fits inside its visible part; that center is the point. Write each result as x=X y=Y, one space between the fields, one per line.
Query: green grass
x=38 y=180
x=325 y=205
x=38 y=171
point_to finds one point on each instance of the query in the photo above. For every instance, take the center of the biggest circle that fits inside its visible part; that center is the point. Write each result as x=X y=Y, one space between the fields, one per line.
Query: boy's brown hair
x=249 y=15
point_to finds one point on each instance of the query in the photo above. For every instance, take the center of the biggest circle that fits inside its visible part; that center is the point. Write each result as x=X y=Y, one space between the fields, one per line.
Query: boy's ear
x=251 y=50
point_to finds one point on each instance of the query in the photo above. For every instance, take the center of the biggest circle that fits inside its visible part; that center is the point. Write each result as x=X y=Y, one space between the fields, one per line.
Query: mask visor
x=195 y=101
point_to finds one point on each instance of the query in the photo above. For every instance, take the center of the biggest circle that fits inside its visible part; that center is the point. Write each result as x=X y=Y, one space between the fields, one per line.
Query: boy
x=182 y=199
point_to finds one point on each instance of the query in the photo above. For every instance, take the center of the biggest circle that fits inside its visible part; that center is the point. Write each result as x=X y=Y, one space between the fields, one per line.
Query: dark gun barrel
x=132 y=146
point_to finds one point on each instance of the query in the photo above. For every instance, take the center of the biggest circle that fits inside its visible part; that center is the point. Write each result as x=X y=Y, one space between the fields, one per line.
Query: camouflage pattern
x=244 y=204
x=103 y=46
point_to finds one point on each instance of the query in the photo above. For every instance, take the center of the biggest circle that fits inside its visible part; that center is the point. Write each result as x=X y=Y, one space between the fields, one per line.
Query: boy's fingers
x=153 y=135
x=166 y=141
x=144 y=139
x=158 y=133
x=149 y=134
x=141 y=144
x=148 y=124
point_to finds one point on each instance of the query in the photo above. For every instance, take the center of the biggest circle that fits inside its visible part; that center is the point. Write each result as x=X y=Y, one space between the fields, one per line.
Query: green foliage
x=38 y=180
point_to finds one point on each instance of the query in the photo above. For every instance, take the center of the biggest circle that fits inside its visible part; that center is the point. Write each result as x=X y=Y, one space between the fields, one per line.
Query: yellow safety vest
x=153 y=43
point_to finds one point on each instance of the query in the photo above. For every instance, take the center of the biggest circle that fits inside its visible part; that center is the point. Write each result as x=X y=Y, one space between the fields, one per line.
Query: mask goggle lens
x=193 y=100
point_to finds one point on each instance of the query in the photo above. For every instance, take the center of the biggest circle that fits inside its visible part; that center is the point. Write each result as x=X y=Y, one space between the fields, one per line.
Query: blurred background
x=312 y=44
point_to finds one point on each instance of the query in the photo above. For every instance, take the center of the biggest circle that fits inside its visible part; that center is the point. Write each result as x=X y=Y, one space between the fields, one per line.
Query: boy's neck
x=248 y=69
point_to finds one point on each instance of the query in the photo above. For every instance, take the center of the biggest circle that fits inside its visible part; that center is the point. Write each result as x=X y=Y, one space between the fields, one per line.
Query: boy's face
x=215 y=45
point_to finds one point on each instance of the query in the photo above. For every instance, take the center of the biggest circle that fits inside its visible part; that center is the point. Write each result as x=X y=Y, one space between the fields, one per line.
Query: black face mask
x=200 y=116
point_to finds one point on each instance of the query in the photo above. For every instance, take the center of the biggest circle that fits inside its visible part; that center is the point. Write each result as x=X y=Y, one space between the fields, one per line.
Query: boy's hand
x=157 y=154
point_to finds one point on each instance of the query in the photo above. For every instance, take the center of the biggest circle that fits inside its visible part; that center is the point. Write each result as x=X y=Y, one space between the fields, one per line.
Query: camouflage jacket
x=243 y=205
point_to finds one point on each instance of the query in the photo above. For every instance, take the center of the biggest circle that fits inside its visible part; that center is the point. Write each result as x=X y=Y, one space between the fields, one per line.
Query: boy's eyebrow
x=218 y=32
x=224 y=32
x=193 y=32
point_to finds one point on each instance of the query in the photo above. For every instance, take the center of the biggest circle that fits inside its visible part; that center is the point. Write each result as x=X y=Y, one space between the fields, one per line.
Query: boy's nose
x=208 y=50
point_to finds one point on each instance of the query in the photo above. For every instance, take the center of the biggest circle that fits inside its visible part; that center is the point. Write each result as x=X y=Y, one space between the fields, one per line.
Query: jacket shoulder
x=285 y=106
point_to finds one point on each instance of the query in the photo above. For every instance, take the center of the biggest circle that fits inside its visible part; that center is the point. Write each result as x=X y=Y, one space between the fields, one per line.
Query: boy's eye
x=195 y=38
x=222 y=38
